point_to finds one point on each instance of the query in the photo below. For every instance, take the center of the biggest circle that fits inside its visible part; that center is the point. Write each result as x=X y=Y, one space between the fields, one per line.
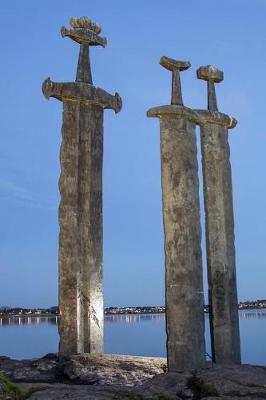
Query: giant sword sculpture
x=182 y=231
x=218 y=202
x=80 y=211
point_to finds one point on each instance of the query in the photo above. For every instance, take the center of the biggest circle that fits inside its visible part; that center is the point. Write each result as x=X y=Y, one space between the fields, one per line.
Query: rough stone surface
x=218 y=201
x=87 y=368
x=129 y=370
x=2 y=390
x=184 y=287
x=38 y=370
x=182 y=231
x=220 y=243
x=227 y=382
x=80 y=219
x=211 y=75
x=70 y=392
x=80 y=211
x=131 y=378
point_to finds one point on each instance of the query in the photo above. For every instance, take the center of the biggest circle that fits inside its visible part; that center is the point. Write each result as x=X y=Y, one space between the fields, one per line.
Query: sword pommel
x=85 y=22
x=211 y=75
x=175 y=67
x=84 y=31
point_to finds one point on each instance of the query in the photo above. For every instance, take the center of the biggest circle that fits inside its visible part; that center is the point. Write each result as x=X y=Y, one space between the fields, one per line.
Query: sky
x=229 y=34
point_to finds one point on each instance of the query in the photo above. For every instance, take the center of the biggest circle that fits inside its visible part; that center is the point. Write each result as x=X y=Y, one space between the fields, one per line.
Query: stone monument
x=80 y=211
x=182 y=231
x=224 y=322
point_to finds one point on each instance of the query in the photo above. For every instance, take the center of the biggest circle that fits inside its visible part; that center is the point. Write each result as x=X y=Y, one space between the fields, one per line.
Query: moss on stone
x=200 y=388
x=12 y=391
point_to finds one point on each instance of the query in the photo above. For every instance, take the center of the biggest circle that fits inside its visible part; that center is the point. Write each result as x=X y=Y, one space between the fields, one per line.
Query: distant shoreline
x=112 y=313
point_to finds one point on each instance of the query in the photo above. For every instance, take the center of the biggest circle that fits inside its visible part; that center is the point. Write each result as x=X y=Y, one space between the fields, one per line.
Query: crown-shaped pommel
x=175 y=67
x=84 y=31
x=85 y=22
x=210 y=73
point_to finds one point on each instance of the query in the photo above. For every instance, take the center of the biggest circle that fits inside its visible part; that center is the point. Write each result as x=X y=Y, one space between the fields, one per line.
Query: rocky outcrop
x=113 y=369
x=226 y=382
x=115 y=377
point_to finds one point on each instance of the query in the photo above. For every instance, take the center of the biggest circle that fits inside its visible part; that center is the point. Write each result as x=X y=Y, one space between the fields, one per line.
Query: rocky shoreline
x=116 y=377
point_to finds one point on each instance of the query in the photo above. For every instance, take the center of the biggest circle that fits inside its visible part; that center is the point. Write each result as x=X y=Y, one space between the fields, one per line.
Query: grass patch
x=201 y=389
x=12 y=391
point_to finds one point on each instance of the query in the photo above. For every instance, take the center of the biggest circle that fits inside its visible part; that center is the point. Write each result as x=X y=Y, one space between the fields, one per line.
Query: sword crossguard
x=212 y=75
x=175 y=67
x=78 y=92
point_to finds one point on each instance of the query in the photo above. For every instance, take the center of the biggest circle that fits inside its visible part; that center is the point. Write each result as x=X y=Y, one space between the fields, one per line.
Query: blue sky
x=230 y=34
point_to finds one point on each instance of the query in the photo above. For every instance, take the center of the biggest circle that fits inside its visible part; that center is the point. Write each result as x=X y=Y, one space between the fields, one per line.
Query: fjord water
x=28 y=337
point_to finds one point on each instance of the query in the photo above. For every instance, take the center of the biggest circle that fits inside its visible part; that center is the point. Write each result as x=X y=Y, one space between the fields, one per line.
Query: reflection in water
x=253 y=314
x=127 y=318
x=135 y=334
x=25 y=320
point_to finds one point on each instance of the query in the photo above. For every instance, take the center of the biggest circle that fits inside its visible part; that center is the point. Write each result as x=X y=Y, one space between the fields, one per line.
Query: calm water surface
x=27 y=337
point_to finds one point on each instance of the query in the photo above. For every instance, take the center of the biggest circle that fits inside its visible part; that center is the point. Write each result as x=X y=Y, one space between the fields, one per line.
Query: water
x=28 y=337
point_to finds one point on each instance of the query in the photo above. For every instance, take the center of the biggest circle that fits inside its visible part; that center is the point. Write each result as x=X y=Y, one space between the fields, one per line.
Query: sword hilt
x=175 y=67
x=85 y=32
x=211 y=75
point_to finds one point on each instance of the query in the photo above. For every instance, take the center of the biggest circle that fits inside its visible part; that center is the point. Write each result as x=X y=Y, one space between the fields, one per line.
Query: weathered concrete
x=219 y=225
x=80 y=211
x=183 y=262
